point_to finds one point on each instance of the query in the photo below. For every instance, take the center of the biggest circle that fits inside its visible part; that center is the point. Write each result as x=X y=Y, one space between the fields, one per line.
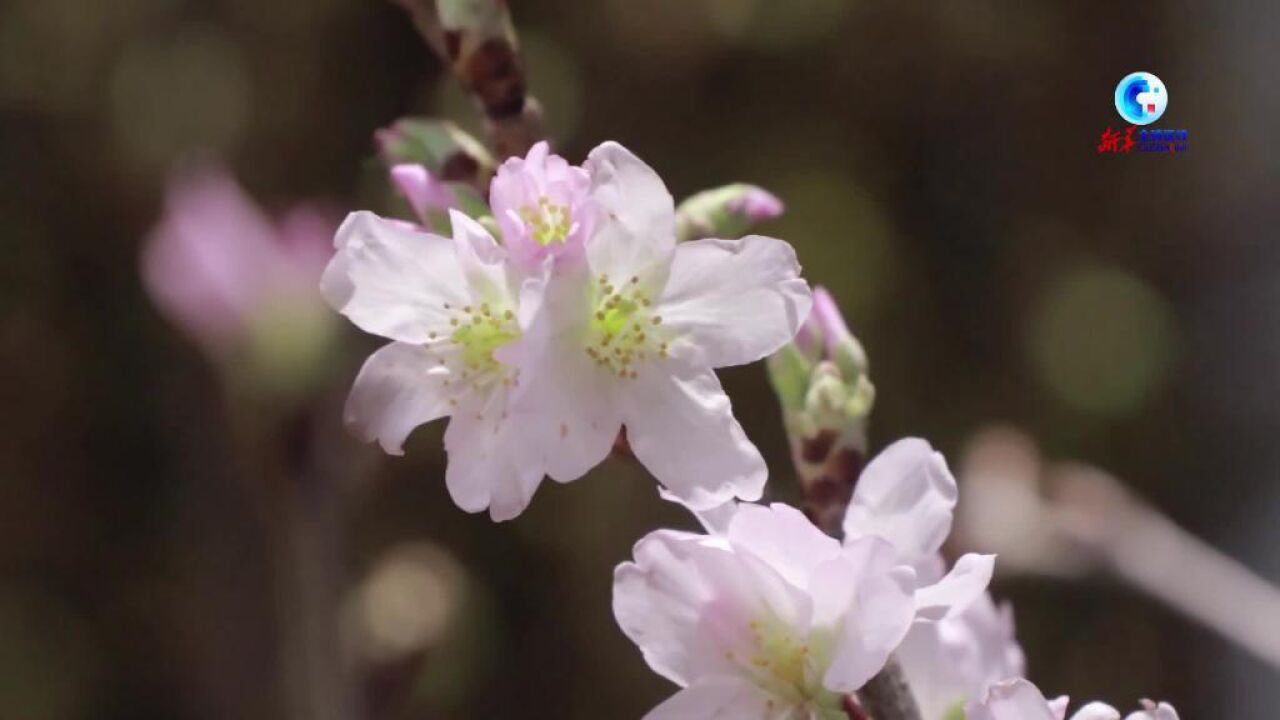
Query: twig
x=1088 y=522
x=1141 y=546
x=478 y=42
x=828 y=465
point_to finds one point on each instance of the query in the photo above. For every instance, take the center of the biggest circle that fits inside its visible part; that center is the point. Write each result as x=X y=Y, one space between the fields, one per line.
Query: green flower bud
x=725 y=212
x=443 y=148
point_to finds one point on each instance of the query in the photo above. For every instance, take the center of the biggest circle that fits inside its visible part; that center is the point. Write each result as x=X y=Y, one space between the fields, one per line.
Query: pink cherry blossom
x=630 y=338
x=543 y=206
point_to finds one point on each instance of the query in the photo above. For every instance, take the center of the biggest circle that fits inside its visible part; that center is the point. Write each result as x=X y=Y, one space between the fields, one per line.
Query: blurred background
x=939 y=168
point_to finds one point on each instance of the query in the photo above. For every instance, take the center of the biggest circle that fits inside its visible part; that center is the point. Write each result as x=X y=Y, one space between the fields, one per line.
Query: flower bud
x=826 y=333
x=725 y=212
x=431 y=198
x=444 y=149
x=823 y=387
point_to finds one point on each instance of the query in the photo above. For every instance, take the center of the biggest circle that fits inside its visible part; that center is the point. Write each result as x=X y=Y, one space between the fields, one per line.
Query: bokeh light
x=1101 y=340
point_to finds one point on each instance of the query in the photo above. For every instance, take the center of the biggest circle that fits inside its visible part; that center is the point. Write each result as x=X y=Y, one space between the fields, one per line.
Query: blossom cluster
x=572 y=310
x=764 y=616
x=583 y=316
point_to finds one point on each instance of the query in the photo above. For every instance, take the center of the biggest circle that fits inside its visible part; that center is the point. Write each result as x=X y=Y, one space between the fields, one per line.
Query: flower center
x=478 y=331
x=548 y=223
x=788 y=666
x=623 y=331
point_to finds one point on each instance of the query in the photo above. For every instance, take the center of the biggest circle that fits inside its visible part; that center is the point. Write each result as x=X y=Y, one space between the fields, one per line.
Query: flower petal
x=398 y=388
x=486 y=469
x=681 y=427
x=784 y=538
x=1014 y=699
x=723 y=698
x=692 y=604
x=393 y=281
x=1154 y=711
x=564 y=406
x=658 y=602
x=636 y=230
x=906 y=496
x=876 y=597
x=481 y=260
x=1097 y=711
x=715 y=521
x=735 y=300
x=954 y=593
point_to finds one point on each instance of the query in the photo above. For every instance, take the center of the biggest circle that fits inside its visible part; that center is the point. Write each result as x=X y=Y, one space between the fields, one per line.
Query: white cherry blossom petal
x=1014 y=699
x=879 y=610
x=398 y=388
x=1097 y=711
x=681 y=427
x=393 y=281
x=736 y=301
x=1154 y=711
x=783 y=537
x=714 y=520
x=484 y=471
x=952 y=661
x=636 y=230
x=566 y=409
x=658 y=600
x=720 y=698
x=958 y=589
x=905 y=495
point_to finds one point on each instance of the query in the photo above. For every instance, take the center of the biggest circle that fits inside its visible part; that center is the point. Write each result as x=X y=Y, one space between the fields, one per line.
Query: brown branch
x=477 y=41
x=887 y=695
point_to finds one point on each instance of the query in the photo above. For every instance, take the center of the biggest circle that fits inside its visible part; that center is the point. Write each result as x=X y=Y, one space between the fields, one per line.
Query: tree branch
x=477 y=41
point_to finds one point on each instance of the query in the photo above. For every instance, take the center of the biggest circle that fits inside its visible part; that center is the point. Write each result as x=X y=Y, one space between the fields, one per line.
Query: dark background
x=939 y=166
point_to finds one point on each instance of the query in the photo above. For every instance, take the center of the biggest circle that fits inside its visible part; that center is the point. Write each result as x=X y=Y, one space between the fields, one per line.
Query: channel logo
x=1141 y=98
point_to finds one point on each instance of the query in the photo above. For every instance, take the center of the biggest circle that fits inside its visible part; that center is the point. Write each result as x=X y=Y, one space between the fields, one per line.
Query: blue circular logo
x=1141 y=98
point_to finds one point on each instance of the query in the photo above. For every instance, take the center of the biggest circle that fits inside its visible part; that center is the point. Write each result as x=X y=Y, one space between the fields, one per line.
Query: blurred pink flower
x=215 y=263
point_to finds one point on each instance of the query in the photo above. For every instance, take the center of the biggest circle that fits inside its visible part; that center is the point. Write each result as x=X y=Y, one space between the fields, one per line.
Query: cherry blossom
x=543 y=206
x=630 y=337
x=772 y=619
x=447 y=304
x=218 y=266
